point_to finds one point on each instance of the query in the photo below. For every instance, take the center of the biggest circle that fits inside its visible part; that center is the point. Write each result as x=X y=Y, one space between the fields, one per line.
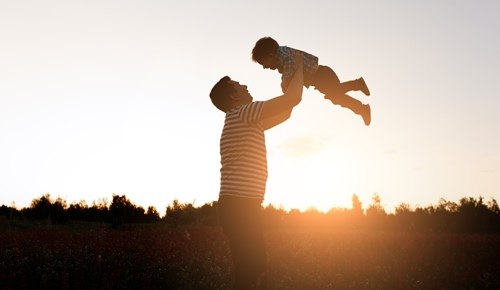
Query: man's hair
x=264 y=47
x=221 y=92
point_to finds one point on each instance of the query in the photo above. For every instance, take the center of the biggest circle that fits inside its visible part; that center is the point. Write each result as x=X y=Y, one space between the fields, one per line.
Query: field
x=162 y=257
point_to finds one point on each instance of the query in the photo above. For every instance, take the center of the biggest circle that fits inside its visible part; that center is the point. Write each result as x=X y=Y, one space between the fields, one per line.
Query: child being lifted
x=268 y=53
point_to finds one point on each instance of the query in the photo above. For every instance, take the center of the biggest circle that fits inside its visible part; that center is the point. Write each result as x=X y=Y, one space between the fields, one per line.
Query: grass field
x=161 y=257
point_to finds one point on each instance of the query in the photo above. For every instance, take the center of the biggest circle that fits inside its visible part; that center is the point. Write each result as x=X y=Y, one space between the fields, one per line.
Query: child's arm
x=279 y=109
x=289 y=67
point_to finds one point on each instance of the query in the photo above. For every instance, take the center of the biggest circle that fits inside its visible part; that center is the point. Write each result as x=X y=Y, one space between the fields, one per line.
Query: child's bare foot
x=363 y=87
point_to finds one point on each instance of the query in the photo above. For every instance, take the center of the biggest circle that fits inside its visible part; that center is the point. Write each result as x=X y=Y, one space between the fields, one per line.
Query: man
x=244 y=170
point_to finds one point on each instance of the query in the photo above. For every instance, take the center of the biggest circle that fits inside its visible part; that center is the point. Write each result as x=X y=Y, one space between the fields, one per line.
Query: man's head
x=265 y=53
x=228 y=94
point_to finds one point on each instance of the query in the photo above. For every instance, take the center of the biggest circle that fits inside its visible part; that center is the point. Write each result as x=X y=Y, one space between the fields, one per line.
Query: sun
x=323 y=181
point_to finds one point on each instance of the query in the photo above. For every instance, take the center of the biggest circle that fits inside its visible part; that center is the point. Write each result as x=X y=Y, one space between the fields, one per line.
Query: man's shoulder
x=245 y=106
x=246 y=112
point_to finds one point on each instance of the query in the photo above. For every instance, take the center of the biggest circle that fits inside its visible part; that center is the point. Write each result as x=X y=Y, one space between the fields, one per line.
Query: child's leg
x=326 y=81
x=352 y=104
x=355 y=85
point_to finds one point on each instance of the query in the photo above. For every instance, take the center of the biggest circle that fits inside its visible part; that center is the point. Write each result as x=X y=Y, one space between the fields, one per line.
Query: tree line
x=469 y=214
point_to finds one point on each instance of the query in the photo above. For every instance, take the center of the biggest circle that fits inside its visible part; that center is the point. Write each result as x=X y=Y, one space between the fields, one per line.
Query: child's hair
x=264 y=47
x=220 y=94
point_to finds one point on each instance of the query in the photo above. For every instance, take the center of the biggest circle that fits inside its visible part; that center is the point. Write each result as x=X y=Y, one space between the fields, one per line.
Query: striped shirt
x=287 y=66
x=243 y=153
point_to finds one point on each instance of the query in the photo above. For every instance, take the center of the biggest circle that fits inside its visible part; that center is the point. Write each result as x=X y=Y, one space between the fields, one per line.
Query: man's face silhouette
x=241 y=96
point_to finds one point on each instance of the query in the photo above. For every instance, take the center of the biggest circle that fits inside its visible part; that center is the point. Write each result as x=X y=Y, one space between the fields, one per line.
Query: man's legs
x=241 y=221
x=326 y=81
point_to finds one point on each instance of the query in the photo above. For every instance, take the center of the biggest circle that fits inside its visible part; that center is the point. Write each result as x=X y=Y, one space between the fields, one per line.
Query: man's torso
x=243 y=153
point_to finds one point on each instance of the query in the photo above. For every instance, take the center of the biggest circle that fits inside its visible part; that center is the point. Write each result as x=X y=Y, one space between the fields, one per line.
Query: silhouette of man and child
x=243 y=148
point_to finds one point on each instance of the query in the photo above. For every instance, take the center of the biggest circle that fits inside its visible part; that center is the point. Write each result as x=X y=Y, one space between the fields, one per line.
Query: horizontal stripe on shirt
x=243 y=153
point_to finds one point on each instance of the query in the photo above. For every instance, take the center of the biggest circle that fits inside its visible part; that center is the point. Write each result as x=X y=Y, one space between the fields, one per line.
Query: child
x=268 y=53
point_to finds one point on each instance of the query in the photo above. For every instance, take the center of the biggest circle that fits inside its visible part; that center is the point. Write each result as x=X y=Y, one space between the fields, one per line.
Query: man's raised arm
x=280 y=108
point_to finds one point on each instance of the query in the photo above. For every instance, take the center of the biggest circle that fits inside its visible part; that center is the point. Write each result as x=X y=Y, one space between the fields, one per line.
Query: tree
x=77 y=211
x=58 y=212
x=152 y=215
x=375 y=214
x=44 y=208
x=474 y=215
x=180 y=213
x=123 y=210
x=375 y=208
x=405 y=217
x=493 y=206
x=357 y=208
x=8 y=212
x=40 y=208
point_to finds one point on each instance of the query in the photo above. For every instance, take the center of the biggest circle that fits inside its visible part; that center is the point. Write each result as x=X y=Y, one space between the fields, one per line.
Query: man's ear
x=234 y=96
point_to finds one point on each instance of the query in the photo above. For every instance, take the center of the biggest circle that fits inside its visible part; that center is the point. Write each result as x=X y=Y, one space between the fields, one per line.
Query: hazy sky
x=102 y=97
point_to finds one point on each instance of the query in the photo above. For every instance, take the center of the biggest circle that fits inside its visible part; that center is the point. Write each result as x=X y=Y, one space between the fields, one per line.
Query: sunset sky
x=103 y=97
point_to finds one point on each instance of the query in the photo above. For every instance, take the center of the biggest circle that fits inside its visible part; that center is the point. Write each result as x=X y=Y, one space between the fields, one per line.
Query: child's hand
x=299 y=61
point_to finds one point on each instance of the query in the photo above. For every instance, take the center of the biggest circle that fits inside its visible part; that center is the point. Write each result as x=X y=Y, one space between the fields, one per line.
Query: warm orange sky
x=102 y=97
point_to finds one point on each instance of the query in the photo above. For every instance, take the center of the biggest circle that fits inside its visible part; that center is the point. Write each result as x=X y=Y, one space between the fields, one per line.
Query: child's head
x=227 y=94
x=265 y=52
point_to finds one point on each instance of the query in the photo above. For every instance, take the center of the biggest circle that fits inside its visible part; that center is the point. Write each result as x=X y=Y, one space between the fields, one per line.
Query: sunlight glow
x=119 y=104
